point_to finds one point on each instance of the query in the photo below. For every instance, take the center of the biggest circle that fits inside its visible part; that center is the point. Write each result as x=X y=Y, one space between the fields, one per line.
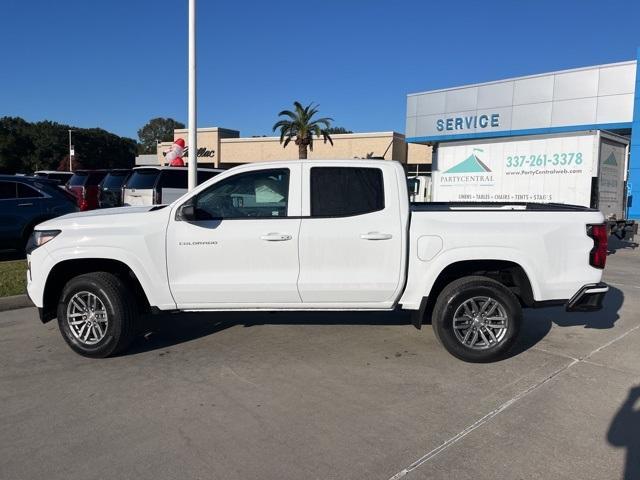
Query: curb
x=14 y=302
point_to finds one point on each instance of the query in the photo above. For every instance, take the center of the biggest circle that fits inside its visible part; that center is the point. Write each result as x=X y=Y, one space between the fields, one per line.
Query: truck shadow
x=537 y=323
x=165 y=330
x=624 y=432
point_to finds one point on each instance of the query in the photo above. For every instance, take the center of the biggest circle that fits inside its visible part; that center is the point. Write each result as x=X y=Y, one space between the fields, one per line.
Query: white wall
x=588 y=96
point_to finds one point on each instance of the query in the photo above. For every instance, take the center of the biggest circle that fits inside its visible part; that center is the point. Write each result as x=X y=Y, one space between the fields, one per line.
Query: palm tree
x=300 y=124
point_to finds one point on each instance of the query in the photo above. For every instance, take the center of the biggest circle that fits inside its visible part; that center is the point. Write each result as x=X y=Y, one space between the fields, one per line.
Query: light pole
x=71 y=152
x=193 y=128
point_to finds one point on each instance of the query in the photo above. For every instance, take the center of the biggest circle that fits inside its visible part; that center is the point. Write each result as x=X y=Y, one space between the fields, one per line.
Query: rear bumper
x=588 y=299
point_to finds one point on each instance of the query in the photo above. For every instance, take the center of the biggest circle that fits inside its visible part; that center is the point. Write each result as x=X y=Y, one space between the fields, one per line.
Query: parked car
x=158 y=185
x=25 y=202
x=110 y=188
x=84 y=186
x=318 y=235
x=61 y=177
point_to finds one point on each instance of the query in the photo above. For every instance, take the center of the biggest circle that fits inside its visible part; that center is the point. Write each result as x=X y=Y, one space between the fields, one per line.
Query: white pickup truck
x=316 y=235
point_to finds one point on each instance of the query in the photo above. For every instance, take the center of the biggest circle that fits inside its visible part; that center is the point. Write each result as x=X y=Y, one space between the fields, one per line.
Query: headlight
x=39 y=238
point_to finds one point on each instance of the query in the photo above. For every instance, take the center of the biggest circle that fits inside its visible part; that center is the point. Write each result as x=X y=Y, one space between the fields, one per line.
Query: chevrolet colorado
x=316 y=235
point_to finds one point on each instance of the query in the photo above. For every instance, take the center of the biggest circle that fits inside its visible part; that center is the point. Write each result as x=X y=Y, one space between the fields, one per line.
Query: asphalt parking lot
x=364 y=396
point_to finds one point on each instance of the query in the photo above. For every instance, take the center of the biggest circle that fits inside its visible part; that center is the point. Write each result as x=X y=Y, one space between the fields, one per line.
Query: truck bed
x=496 y=206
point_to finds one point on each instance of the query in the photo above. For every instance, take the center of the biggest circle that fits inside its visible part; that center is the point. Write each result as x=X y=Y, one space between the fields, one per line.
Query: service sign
x=551 y=169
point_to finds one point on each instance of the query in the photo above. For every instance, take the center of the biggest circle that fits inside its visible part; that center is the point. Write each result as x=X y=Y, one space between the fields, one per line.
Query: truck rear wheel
x=476 y=319
x=97 y=315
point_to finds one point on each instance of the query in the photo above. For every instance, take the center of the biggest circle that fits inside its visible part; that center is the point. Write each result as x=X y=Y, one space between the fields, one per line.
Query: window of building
x=346 y=191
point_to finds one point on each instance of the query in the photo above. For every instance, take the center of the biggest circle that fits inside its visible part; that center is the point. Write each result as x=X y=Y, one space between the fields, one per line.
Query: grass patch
x=13 y=278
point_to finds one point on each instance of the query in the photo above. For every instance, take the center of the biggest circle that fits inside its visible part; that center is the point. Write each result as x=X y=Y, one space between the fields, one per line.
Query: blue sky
x=115 y=64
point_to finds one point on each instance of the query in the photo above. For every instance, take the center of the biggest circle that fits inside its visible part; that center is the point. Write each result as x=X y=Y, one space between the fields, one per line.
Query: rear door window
x=143 y=179
x=25 y=191
x=346 y=191
x=7 y=190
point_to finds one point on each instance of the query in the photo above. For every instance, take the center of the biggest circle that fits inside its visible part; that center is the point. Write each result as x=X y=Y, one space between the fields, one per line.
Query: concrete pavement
x=326 y=395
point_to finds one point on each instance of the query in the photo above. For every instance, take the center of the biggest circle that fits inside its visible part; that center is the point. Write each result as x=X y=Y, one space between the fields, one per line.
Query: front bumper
x=588 y=299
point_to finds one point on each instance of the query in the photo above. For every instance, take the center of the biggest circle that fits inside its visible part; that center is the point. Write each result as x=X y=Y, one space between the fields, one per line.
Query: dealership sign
x=203 y=152
x=468 y=122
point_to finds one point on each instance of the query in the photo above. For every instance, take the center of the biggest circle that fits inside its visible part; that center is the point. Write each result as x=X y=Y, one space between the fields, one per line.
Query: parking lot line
x=486 y=418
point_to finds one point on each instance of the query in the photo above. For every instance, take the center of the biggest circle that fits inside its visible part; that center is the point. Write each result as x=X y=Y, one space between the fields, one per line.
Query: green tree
x=26 y=147
x=338 y=130
x=300 y=126
x=15 y=141
x=157 y=130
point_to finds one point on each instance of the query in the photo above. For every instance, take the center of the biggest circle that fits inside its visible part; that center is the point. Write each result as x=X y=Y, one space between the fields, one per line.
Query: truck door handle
x=25 y=204
x=376 y=236
x=275 y=237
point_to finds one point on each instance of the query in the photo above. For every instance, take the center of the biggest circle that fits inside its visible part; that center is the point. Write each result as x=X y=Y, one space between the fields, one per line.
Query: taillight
x=157 y=196
x=598 y=254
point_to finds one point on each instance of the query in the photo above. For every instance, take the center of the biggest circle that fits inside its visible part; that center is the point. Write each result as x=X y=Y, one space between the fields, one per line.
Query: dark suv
x=110 y=194
x=84 y=186
x=25 y=202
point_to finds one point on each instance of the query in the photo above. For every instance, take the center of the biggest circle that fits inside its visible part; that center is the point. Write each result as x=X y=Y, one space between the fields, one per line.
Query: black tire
x=453 y=299
x=121 y=314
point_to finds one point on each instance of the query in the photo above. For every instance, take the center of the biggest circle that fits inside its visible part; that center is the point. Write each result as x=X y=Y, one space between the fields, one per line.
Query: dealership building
x=591 y=99
x=225 y=148
x=596 y=101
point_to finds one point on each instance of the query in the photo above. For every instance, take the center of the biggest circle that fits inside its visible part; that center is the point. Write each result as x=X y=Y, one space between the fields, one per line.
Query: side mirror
x=187 y=213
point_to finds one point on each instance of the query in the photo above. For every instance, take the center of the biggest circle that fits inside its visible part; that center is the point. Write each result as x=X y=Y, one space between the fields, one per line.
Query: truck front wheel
x=476 y=319
x=97 y=314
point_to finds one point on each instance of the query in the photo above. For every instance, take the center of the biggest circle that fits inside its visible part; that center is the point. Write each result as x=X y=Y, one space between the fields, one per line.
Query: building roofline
x=334 y=136
x=207 y=129
x=509 y=79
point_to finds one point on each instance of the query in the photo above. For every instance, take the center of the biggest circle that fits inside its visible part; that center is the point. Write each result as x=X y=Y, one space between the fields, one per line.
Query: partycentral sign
x=468 y=122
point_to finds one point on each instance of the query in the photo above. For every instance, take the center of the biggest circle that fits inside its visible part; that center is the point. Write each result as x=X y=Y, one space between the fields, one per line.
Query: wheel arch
x=509 y=273
x=65 y=270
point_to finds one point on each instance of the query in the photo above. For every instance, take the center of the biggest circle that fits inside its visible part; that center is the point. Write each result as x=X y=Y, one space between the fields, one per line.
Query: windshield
x=143 y=179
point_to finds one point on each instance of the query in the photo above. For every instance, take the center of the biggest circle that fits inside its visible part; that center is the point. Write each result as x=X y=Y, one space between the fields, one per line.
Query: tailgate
x=138 y=197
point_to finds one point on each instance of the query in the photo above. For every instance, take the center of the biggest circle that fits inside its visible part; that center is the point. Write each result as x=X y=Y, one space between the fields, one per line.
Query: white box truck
x=583 y=168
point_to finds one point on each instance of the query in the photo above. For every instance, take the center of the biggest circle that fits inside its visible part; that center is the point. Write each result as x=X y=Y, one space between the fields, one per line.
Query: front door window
x=247 y=195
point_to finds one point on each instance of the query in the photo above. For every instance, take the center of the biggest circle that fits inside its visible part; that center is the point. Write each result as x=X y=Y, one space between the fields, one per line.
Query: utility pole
x=193 y=128
x=71 y=152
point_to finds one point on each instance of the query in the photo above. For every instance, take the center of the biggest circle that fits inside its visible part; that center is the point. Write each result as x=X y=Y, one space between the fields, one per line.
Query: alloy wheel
x=480 y=323
x=87 y=318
